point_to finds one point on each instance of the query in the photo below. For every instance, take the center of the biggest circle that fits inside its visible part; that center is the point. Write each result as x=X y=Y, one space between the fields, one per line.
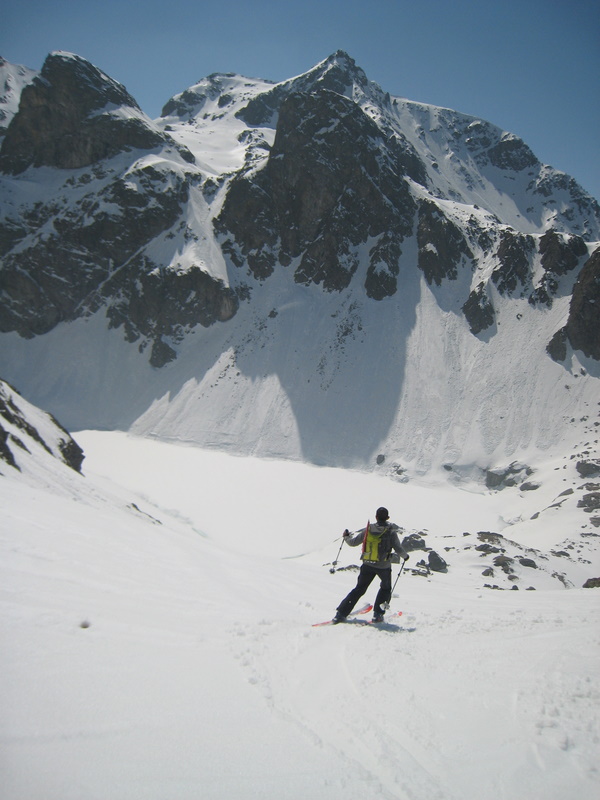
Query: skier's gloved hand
x=346 y=533
x=406 y=557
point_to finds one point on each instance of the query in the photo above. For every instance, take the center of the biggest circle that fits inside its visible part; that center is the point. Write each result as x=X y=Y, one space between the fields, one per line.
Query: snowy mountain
x=317 y=272
x=312 y=270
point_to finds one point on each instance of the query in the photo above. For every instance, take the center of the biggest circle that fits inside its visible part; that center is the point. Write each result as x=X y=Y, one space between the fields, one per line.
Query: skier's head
x=382 y=514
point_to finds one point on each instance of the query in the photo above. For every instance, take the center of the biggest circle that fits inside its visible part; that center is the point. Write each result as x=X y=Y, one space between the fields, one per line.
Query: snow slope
x=325 y=380
x=157 y=641
x=13 y=79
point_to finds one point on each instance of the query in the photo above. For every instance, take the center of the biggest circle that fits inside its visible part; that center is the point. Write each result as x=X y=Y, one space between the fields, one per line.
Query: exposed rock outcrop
x=442 y=244
x=583 y=325
x=20 y=425
x=332 y=182
x=514 y=253
x=478 y=310
x=66 y=119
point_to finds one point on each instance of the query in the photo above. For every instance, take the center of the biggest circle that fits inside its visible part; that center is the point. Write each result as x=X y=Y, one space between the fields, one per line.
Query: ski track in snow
x=198 y=672
x=437 y=709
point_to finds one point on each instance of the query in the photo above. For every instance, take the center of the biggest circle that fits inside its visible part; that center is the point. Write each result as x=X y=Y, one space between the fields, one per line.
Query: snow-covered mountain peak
x=257 y=101
x=462 y=159
x=239 y=265
x=337 y=73
x=213 y=97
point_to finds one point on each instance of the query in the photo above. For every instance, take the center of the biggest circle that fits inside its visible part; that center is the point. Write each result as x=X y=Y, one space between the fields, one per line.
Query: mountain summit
x=307 y=269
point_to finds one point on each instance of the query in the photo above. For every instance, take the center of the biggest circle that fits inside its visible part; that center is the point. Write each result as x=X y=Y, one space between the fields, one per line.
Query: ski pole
x=387 y=605
x=334 y=563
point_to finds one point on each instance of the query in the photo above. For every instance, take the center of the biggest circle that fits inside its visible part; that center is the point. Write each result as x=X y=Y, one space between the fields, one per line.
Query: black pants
x=365 y=577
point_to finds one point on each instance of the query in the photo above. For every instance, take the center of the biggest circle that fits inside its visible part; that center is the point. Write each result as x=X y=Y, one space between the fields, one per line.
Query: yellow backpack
x=377 y=545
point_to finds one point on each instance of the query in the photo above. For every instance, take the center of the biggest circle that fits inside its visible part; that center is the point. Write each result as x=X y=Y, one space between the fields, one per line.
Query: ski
x=363 y=610
x=383 y=622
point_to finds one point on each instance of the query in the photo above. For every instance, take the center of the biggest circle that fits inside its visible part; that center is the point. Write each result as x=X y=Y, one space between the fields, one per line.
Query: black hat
x=382 y=514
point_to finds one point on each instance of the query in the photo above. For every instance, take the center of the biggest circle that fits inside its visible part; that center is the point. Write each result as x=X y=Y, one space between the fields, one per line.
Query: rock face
x=160 y=304
x=514 y=257
x=479 y=310
x=442 y=244
x=72 y=251
x=583 y=325
x=24 y=429
x=582 y=330
x=330 y=184
x=65 y=119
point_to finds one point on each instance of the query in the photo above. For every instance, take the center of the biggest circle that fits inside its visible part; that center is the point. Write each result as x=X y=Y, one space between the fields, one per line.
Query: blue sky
x=530 y=66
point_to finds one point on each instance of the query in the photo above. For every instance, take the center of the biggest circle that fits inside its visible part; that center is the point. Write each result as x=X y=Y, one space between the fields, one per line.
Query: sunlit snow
x=158 y=642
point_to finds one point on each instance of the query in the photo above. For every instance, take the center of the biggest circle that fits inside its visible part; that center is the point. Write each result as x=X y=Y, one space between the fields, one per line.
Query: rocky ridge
x=27 y=434
x=336 y=174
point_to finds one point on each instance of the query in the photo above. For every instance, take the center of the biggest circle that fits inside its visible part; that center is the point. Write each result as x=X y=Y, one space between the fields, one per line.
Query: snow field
x=157 y=640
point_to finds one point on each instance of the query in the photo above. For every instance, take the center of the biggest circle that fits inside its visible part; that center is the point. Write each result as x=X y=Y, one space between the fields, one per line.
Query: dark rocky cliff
x=65 y=119
x=331 y=183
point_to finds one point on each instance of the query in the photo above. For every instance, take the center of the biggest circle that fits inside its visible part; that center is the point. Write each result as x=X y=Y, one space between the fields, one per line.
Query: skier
x=378 y=541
